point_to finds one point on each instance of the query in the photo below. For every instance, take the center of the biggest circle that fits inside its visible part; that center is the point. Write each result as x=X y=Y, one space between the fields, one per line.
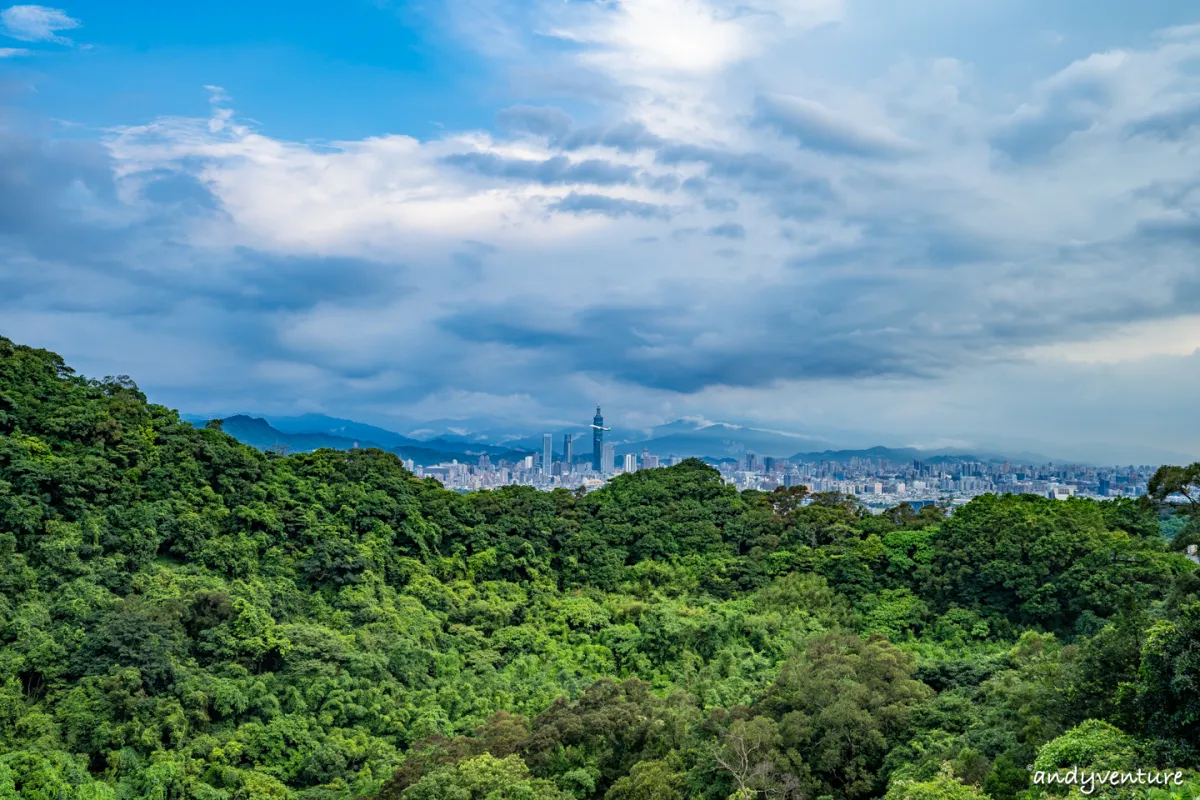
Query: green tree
x=944 y=786
x=841 y=705
x=484 y=777
x=658 y=779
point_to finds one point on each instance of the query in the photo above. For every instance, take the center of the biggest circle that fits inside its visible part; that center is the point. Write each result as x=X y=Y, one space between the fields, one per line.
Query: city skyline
x=878 y=483
x=880 y=478
x=974 y=227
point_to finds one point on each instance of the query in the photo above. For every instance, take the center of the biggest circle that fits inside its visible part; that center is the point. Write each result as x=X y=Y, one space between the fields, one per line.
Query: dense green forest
x=182 y=616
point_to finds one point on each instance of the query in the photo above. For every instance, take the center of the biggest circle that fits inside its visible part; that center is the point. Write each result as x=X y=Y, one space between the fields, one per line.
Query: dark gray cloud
x=924 y=240
x=700 y=187
x=721 y=204
x=261 y=281
x=840 y=333
x=792 y=192
x=239 y=281
x=58 y=202
x=40 y=170
x=728 y=230
x=668 y=182
x=799 y=207
x=553 y=171
x=1176 y=230
x=724 y=163
x=1033 y=136
x=469 y=263
x=179 y=189
x=46 y=189
x=1070 y=103
x=609 y=206
x=752 y=172
x=506 y=327
x=482 y=248
x=628 y=137
x=470 y=260
x=819 y=128
x=1171 y=124
x=559 y=128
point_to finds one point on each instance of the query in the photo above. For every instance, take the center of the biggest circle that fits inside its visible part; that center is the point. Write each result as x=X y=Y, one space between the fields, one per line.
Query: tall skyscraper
x=597 y=440
x=547 y=452
x=630 y=462
x=568 y=453
x=606 y=465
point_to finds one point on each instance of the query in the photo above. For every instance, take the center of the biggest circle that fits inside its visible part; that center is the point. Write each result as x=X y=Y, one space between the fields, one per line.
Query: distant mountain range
x=258 y=432
x=389 y=440
x=712 y=441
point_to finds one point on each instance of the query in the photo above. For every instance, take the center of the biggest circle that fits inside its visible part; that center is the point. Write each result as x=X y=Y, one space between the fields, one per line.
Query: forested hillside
x=182 y=616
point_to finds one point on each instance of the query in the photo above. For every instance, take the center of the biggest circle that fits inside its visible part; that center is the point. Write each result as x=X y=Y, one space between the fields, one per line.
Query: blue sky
x=968 y=223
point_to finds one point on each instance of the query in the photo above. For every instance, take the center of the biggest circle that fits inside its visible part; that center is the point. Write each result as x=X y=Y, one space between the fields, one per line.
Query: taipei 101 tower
x=597 y=439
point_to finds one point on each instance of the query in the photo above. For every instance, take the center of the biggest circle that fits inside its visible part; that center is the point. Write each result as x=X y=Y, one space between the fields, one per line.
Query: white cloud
x=37 y=23
x=13 y=52
x=216 y=94
x=386 y=194
x=1178 y=336
x=1180 y=32
x=818 y=126
x=676 y=55
x=687 y=36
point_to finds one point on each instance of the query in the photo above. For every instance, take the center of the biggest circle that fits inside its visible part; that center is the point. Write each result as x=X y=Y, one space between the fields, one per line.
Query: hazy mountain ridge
x=261 y=434
x=257 y=432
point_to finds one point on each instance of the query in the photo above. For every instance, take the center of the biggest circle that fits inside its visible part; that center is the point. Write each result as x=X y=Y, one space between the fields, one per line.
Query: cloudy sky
x=942 y=221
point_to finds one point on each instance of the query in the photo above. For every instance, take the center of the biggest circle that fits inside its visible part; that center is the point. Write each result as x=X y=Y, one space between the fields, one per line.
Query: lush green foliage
x=182 y=616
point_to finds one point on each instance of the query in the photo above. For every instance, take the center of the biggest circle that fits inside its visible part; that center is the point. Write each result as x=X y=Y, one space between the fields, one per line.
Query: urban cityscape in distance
x=877 y=482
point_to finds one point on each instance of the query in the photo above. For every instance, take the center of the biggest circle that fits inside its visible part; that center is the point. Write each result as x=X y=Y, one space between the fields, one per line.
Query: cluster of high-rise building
x=548 y=469
x=877 y=482
x=882 y=484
